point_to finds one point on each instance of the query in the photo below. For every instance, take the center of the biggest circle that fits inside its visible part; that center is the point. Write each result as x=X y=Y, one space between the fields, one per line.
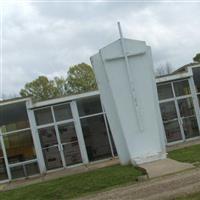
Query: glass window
x=13 y=117
x=186 y=107
x=24 y=170
x=52 y=158
x=3 y=172
x=47 y=137
x=62 y=112
x=67 y=133
x=182 y=88
x=96 y=138
x=196 y=76
x=19 y=147
x=88 y=106
x=190 y=127
x=17 y=172
x=43 y=116
x=164 y=91
x=72 y=153
x=32 y=169
x=173 y=131
x=168 y=110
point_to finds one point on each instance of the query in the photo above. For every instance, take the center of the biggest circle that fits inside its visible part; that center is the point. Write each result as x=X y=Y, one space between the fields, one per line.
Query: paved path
x=164 y=167
x=162 y=188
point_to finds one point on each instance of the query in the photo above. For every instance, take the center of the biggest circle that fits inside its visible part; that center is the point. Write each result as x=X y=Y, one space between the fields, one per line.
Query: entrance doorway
x=58 y=138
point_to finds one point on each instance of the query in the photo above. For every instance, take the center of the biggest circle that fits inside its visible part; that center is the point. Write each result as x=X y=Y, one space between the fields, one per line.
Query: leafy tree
x=81 y=79
x=61 y=85
x=41 y=89
x=197 y=58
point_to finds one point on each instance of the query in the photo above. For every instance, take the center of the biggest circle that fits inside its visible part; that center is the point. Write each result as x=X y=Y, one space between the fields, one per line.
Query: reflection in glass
x=62 y=112
x=172 y=130
x=17 y=172
x=67 y=133
x=186 y=107
x=13 y=117
x=52 y=158
x=164 y=91
x=88 y=106
x=19 y=147
x=47 y=136
x=3 y=172
x=32 y=169
x=168 y=110
x=182 y=88
x=72 y=153
x=190 y=127
x=43 y=116
x=112 y=140
x=24 y=170
x=96 y=138
x=196 y=76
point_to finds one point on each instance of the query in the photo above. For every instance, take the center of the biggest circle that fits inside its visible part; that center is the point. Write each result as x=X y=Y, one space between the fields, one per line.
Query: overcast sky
x=47 y=38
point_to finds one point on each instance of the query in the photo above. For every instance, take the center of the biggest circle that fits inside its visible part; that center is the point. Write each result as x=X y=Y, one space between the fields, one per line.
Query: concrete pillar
x=124 y=73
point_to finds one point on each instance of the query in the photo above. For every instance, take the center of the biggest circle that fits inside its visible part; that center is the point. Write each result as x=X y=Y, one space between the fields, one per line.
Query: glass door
x=188 y=117
x=3 y=171
x=50 y=147
x=69 y=144
x=171 y=122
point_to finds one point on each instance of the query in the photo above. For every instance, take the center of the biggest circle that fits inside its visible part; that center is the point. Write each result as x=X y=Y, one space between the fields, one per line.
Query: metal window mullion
x=45 y=125
x=64 y=122
x=166 y=100
x=23 y=163
x=195 y=101
x=184 y=97
x=17 y=131
x=5 y=156
x=92 y=115
x=79 y=132
x=60 y=148
x=178 y=114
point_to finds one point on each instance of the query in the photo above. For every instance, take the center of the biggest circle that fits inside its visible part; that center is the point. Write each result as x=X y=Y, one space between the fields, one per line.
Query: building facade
x=179 y=98
x=36 y=138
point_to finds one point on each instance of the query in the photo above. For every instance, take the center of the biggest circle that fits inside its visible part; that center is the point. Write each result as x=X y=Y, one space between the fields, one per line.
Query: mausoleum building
x=37 y=138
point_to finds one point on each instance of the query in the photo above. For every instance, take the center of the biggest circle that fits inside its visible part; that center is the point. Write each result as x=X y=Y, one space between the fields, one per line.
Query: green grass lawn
x=188 y=154
x=75 y=185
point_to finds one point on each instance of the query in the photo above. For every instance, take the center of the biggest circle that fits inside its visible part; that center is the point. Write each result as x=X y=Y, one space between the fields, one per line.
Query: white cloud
x=47 y=38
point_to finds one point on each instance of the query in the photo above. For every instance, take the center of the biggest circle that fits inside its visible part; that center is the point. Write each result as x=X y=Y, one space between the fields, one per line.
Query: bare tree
x=164 y=69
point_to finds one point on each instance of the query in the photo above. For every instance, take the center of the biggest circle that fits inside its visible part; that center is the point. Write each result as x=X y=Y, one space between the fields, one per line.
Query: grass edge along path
x=77 y=185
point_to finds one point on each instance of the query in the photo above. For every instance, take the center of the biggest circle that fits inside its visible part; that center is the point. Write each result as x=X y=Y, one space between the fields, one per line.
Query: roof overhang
x=63 y=99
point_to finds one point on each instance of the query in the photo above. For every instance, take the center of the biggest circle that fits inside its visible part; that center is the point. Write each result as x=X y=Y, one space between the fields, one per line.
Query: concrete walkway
x=162 y=188
x=164 y=167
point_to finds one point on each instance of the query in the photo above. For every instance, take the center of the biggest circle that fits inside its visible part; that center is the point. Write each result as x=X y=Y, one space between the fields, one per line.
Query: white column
x=35 y=136
x=79 y=132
